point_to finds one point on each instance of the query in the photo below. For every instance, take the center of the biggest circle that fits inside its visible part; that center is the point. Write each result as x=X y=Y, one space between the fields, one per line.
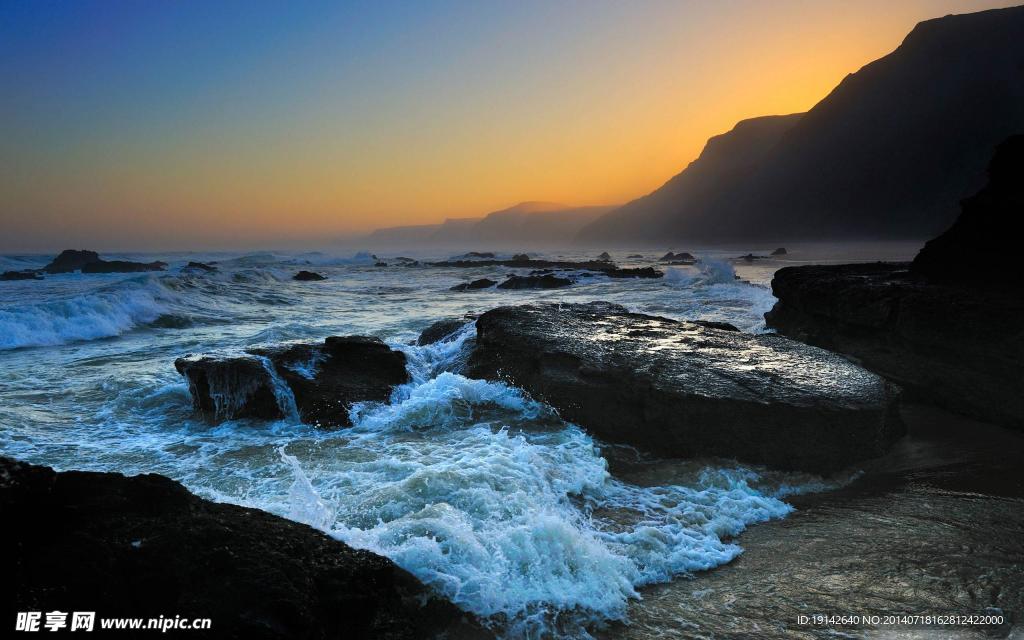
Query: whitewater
x=483 y=493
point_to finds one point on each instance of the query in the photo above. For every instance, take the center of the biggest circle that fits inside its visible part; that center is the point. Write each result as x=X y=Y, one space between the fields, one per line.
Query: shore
x=934 y=527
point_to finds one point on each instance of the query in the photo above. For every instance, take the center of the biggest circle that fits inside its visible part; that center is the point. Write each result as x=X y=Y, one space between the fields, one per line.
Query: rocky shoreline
x=144 y=546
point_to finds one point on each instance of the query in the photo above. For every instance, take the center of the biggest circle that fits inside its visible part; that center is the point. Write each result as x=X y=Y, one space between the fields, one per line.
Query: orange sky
x=151 y=131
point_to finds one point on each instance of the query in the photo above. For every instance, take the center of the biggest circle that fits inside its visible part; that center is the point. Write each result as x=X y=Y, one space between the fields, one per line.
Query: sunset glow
x=188 y=125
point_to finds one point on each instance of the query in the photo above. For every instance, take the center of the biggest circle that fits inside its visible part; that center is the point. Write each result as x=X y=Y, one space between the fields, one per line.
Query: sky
x=146 y=125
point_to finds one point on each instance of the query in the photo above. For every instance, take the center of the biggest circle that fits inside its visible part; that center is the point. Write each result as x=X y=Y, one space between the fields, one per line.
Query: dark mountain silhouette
x=887 y=154
x=529 y=223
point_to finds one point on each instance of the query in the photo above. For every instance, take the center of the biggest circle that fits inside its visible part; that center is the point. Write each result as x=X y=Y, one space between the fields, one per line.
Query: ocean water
x=483 y=493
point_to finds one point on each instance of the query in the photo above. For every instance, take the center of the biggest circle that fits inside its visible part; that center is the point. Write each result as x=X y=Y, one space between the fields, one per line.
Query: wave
x=91 y=315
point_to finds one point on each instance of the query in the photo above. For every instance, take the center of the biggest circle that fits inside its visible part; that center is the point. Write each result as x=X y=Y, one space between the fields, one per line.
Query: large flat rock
x=681 y=389
x=144 y=547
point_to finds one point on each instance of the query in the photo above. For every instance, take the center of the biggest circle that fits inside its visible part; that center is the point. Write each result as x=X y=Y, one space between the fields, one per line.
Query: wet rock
x=440 y=330
x=144 y=546
x=322 y=380
x=476 y=254
x=71 y=260
x=721 y=326
x=521 y=257
x=546 y=281
x=380 y=264
x=679 y=389
x=781 y=251
x=308 y=276
x=25 y=274
x=482 y=283
x=604 y=257
x=634 y=256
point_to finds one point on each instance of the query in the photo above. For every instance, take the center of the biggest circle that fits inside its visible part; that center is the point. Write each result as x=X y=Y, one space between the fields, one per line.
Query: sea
x=483 y=493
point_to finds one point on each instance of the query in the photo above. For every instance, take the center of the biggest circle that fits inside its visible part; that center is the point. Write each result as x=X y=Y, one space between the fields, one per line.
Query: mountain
x=525 y=224
x=887 y=154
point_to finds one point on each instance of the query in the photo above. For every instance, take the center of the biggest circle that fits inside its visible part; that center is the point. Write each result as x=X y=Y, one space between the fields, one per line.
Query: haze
x=154 y=126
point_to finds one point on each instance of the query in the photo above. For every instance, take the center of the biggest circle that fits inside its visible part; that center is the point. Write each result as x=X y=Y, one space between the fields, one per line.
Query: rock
x=440 y=330
x=122 y=266
x=645 y=272
x=482 y=283
x=948 y=327
x=983 y=246
x=679 y=389
x=781 y=251
x=25 y=274
x=380 y=264
x=198 y=267
x=959 y=346
x=71 y=260
x=681 y=257
x=546 y=281
x=308 y=276
x=144 y=547
x=521 y=257
x=323 y=381
x=604 y=257
x=476 y=254
x=634 y=256
x=721 y=326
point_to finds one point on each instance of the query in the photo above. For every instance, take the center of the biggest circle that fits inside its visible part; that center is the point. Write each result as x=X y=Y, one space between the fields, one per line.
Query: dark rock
x=308 y=276
x=682 y=256
x=122 y=266
x=983 y=245
x=324 y=381
x=604 y=257
x=440 y=330
x=482 y=283
x=144 y=547
x=25 y=274
x=520 y=257
x=71 y=260
x=634 y=256
x=781 y=251
x=959 y=346
x=681 y=389
x=645 y=272
x=710 y=324
x=478 y=254
x=547 y=281
x=380 y=264
x=199 y=267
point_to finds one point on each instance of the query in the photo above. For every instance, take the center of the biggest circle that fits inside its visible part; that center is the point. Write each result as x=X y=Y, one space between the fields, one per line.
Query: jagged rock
x=25 y=274
x=679 y=389
x=604 y=257
x=71 y=260
x=546 y=281
x=440 y=330
x=144 y=547
x=710 y=324
x=781 y=251
x=482 y=283
x=520 y=257
x=308 y=276
x=323 y=381
x=682 y=256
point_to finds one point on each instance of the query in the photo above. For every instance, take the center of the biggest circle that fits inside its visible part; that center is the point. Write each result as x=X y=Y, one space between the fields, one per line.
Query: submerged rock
x=440 y=330
x=24 y=274
x=545 y=281
x=144 y=547
x=308 y=276
x=318 y=382
x=679 y=389
x=482 y=283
